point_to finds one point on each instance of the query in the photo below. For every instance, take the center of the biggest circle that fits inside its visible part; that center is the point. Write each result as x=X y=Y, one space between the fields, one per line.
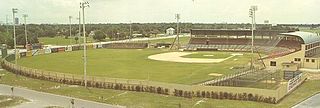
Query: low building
x=170 y=31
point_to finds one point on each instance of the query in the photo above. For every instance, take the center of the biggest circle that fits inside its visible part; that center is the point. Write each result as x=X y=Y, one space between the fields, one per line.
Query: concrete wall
x=285 y=59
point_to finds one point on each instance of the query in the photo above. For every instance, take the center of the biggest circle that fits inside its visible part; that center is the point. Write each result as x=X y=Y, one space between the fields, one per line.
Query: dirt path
x=176 y=57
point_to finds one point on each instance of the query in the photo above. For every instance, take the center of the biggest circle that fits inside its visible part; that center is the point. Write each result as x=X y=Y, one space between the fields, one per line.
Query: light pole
x=130 y=30
x=178 y=29
x=79 y=24
x=70 y=34
x=14 y=11
x=25 y=28
x=84 y=5
x=7 y=23
x=177 y=16
x=70 y=17
x=252 y=12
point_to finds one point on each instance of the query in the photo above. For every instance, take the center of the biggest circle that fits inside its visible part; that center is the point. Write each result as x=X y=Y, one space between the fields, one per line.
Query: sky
x=158 y=11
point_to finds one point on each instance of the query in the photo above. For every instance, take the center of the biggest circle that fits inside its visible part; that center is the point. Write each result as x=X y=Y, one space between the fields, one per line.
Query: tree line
x=110 y=31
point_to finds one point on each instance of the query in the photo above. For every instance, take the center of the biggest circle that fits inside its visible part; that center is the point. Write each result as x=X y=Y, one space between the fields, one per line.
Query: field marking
x=177 y=57
x=208 y=55
x=116 y=96
x=199 y=102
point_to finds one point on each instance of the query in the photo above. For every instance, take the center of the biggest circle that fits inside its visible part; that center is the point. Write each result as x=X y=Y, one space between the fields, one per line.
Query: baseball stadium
x=212 y=63
x=159 y=54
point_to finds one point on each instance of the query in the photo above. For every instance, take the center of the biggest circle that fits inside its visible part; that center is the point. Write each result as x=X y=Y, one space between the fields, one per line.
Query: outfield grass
x=10 y=101
x=148 y=100
x=183 y=40
x=132 y=64
x=209 y=55
x=61 y=40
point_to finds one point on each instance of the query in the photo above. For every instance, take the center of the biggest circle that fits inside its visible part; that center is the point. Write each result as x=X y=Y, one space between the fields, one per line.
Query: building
x=284 y=49
x=307 y=56
x=170 y=31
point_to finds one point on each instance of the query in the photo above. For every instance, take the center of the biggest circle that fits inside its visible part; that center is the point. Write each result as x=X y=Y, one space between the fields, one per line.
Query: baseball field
x=135 y=64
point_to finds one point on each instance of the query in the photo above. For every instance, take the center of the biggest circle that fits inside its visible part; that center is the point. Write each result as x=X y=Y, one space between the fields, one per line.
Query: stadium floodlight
x=252 y=15
x=178 y=29
x=177 y=16
x=25 y=29
x=79 y=18
x=83 y=5
x=14 y=11
x=70 y=17
x=130 y=37
x=7 y=24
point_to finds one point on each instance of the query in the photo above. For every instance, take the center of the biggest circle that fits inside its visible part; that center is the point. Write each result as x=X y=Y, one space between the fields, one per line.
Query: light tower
x=25 y=28
x=130 y=37
x=252 y=15
x=177 y=16
x=14 y=11
x=79 y=18
x=178 y=29
x=83 y=5
x=7 y=24
x=70 y=17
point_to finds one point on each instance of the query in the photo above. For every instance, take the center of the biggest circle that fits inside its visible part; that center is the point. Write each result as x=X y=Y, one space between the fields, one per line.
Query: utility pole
x=84 y=5
x=25 y=29
x=252 y=13
x=14 y=11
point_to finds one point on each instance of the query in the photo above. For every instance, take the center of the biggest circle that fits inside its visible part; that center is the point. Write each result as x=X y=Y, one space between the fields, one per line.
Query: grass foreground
x=148 y=100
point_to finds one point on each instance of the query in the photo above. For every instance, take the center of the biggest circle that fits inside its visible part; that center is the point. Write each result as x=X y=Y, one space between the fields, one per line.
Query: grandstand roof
x=234 y=32
x=307 y=37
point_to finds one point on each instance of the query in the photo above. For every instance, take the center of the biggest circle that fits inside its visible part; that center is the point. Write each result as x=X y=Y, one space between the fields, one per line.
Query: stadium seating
x=273 y=47
x=126 y=45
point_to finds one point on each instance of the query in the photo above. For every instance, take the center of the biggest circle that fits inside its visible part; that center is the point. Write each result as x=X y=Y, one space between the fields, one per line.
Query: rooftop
x=307 y=37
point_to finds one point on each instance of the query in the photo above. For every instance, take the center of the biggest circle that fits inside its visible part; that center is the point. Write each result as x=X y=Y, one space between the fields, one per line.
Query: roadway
x=41 y=99
x=312 y=102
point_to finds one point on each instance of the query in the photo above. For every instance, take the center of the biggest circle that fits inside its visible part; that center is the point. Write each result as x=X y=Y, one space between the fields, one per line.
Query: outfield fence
x=180 y=90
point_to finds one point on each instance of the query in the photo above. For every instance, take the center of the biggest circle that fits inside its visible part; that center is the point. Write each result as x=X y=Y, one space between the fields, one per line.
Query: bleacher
x=272 y=47
x=240 y=48
x=289 y=44
x=126 y=45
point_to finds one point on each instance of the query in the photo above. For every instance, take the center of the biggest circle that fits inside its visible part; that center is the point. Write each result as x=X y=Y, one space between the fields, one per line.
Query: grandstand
x=306 y=55
x=125 y=45
x=282 y=47
x=238 y=40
